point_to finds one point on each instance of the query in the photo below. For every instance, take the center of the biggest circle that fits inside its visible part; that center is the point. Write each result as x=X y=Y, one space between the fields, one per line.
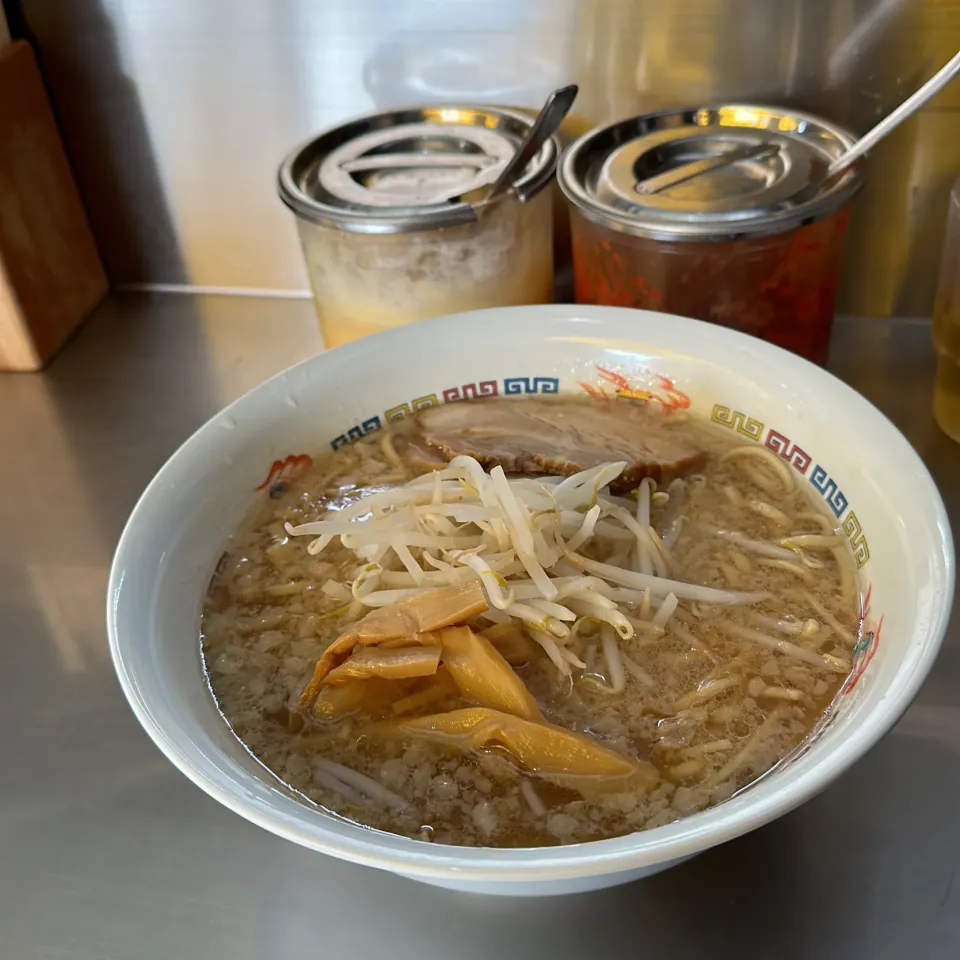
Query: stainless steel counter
x=107 y=852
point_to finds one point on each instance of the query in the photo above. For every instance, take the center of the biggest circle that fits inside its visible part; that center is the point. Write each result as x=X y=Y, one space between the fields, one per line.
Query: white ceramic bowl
x=849 y=453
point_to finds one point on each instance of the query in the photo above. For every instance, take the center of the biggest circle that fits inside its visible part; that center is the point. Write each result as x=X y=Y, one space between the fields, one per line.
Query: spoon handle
x=909 y=106
x=557 y=106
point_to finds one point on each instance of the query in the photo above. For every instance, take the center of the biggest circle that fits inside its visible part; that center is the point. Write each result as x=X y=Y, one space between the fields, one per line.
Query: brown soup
x=502 y=660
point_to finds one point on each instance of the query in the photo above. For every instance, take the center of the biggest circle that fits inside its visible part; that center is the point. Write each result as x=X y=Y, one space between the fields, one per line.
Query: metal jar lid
x=714 y=173
x=417 y=168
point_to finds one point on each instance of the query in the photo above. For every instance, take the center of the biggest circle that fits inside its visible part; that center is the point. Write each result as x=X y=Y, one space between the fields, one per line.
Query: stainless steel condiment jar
x=721 y=213
x=394 y=224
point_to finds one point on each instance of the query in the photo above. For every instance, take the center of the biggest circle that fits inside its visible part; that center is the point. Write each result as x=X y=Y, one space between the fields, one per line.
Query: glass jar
x=722 y=214
x=394 y=224
x=946 y=327
x=781 y=288
x=363 y=283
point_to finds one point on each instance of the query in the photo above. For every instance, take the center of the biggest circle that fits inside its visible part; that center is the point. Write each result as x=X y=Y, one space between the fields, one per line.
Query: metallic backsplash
x=176 y=113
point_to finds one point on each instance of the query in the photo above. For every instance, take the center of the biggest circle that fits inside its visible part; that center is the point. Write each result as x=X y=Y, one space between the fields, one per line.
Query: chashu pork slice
x=561 y=437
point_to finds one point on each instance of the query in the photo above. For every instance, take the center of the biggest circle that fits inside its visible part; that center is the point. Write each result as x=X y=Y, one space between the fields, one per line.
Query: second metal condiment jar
x=394 y=225
x=720 y=213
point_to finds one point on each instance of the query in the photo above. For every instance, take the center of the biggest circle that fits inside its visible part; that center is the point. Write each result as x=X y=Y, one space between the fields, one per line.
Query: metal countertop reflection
x=108 y=853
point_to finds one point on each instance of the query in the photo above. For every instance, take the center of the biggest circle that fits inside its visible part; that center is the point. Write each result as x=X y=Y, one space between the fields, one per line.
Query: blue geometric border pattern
x=515 y=385
x=370 y=425
x=830 y=491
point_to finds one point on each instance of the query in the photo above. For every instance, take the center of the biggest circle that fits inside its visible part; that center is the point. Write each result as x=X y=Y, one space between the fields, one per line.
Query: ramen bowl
x=867 y=474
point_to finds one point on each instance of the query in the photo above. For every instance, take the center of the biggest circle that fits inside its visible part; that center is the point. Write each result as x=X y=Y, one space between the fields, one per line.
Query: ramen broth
x=698 y=629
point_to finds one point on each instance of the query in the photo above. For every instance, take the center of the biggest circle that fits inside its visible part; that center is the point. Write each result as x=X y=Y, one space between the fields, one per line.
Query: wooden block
x=51 y=276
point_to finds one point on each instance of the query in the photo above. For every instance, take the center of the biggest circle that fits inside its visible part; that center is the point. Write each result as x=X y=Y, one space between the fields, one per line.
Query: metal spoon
x=556 y=107
x=909 y=106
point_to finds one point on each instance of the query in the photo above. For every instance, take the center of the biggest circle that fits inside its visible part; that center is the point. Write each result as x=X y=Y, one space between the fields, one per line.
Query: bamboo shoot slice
x=483 y=676
x=562 y=756
x=427 y=611
x=398 y=664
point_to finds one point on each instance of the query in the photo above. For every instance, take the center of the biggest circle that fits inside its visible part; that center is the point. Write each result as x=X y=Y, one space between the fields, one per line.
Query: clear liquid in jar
x=946 y=328
x=946 y=386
